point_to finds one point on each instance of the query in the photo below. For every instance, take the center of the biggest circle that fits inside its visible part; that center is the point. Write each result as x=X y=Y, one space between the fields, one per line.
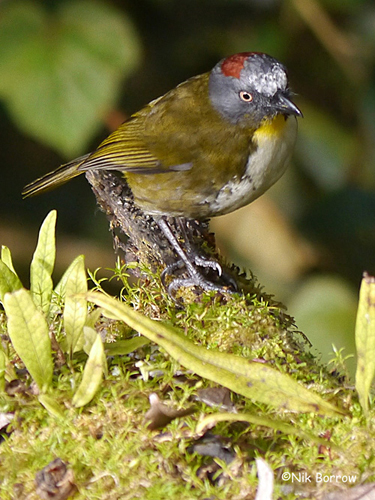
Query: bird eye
x=245 y=96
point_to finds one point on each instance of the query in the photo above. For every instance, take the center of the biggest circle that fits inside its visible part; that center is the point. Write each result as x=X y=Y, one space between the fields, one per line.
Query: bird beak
x=287 y=107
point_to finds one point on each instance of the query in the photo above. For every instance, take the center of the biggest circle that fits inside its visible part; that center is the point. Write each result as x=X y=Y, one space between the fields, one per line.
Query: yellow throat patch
x=270 y=128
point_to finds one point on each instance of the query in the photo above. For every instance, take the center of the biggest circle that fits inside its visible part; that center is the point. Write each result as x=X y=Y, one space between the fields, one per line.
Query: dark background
x=309 y=239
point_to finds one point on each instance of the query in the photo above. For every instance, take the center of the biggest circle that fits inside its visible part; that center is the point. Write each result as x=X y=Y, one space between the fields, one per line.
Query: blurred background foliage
x=72 y=71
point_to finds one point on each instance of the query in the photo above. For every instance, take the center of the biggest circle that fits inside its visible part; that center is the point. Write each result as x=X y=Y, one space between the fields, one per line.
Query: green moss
x=114 y=455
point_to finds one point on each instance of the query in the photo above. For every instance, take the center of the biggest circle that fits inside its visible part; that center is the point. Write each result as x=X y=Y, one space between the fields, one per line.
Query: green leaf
x=90 y=336
x=75 y=311
x=3 y=365
x=51 y=405
x=253 y=380
x=62 y=69
x=365 y=340
x=211 y=420
x=92 y=375
x=28 y=331
x=123 y=347
x=6 y=257
x=43 y=262
x=60 y=288
x=93 y=317
x=59 y=292
x=9 y=282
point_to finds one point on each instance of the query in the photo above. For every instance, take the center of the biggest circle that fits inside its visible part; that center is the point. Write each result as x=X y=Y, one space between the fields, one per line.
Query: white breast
x=264 y=167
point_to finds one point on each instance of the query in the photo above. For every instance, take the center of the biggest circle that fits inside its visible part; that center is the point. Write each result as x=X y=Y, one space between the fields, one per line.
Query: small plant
x=31 y=313
x=365 y=340
x=65 y=335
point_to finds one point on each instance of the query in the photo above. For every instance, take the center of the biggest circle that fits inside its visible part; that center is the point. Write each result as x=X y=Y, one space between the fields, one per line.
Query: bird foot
x=198 y=281
x=189 y=261
x=196 y=278
x=203 y=262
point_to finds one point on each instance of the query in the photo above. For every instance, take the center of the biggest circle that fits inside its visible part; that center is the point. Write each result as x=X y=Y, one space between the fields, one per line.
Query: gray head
x=250 y=86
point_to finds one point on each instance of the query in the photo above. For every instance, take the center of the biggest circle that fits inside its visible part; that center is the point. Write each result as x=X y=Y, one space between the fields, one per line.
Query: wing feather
x=123 y=150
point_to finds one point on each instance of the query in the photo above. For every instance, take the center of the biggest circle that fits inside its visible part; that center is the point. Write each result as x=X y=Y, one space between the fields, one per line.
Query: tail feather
x=55 y=178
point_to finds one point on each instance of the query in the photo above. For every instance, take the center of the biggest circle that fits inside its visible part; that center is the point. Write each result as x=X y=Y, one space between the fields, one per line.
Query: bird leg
x=195 y=277
x=199 y=260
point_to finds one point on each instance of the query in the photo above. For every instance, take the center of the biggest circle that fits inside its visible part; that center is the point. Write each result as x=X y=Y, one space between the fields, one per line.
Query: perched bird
x=211 y=145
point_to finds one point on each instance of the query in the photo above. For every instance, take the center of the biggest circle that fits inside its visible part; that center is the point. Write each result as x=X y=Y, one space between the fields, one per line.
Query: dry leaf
x=159 y=415
x=55 y=481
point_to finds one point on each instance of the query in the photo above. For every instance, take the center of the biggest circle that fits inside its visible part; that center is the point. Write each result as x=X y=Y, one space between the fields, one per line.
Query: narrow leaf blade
x=6 y=257
x=3 y=365
x=89 y=336
x=252 y=380
x=60 y=288
x=123 y=347
x=9 y=282
x=51 y=405
x=92 y=375
x=211 y=420
x=43 y=263
x=365 y=340
x=28 y=331
x=75 y=312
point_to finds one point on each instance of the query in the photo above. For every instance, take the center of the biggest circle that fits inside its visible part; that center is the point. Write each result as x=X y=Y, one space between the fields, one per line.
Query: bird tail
x=55 y=178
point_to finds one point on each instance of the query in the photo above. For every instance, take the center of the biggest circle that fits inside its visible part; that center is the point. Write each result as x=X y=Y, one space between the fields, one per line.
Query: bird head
x=251 y=87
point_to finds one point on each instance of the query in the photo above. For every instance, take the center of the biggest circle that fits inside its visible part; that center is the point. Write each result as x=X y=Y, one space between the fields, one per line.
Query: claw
x=197 y=281
x=195 y=278
x=203 y=262
x=231 y=281
x=170 y=270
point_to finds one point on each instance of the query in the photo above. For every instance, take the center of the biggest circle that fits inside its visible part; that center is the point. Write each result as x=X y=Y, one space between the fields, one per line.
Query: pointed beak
x=287 y=107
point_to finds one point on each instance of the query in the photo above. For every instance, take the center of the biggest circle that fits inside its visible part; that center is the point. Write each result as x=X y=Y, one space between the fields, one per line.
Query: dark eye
x=245 y=96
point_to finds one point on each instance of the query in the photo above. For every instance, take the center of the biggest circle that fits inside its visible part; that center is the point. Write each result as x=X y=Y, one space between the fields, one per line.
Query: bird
x=210 y=146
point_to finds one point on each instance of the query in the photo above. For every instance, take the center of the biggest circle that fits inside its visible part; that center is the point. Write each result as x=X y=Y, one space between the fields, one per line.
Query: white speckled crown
x=265 y=76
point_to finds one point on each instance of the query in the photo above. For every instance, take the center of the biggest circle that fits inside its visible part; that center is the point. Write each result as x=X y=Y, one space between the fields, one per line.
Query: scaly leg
x=195 y=277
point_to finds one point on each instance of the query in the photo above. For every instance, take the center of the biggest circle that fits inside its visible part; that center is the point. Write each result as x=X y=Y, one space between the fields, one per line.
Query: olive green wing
x=126 y=150
x=123 y=150
x=161 y=137
x=169 y=133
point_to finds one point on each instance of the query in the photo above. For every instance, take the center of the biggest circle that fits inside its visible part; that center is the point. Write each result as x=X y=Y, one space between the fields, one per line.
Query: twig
x=343 y=49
